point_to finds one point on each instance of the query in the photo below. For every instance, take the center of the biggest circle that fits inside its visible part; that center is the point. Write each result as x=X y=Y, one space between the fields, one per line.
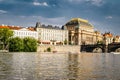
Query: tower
x=38 y=25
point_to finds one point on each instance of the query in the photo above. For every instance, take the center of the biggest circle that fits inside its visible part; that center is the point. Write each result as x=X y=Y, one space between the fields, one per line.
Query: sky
x=104 y=15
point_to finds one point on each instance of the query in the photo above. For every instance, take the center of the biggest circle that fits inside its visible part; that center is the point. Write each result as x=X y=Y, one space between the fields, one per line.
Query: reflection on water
x=33 y=66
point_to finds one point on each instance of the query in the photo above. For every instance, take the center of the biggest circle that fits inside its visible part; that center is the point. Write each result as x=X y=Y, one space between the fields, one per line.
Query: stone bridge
x=101 y=48
x=114 y=47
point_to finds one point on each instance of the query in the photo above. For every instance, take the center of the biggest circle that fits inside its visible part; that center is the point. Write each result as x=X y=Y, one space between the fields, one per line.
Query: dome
x=79 y=21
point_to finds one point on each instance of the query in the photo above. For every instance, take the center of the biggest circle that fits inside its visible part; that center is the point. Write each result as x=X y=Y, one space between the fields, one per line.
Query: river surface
x=58 y=66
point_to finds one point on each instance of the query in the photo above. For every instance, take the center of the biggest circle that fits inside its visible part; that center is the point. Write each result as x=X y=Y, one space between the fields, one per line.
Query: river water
x=58 y=66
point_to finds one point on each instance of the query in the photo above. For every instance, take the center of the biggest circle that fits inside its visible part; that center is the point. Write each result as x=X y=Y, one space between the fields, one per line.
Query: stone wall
x=62 y=48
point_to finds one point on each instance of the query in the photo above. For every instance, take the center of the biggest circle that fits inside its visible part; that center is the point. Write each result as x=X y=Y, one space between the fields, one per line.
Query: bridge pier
x=106 y=48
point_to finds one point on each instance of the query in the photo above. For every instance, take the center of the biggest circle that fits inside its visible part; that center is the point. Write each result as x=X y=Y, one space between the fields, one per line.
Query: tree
x=5 y=34
x=16 y=44
x=30 y=44
x=100 y=42
x=65 y=41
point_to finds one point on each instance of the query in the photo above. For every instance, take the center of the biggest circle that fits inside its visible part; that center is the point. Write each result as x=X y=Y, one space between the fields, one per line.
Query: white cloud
x=3 y=12
x=93 y=2
x=96 y=2
x=108 y=17
x=75 y=0
x=40 y=4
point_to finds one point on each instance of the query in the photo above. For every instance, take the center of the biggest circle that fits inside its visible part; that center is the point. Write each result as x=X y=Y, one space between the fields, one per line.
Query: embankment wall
x=61 y=48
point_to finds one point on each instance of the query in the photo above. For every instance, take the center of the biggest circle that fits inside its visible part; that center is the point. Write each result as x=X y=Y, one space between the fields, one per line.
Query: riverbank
x=3 y=51
x=59 y=48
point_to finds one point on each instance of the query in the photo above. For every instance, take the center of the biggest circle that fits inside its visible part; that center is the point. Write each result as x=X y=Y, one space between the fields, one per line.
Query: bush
x=49 y=49
x=65 y=41
x=16 y=44
x=30 y=44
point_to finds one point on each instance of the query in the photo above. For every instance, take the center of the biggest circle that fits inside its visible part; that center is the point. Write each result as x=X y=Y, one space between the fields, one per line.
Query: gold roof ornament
x=79 y=20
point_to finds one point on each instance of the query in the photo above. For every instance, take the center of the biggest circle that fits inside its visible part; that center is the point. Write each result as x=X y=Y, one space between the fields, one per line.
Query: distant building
x=22 y=32
x=108 y=38
x=51 y=35
x=81 y=32
x=117 y=39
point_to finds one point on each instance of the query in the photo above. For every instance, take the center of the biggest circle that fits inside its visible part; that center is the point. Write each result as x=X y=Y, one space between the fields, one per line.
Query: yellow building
x=81 y=32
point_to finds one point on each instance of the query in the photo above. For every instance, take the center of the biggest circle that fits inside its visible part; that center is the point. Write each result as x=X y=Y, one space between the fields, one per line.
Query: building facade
x=22 y=32
x=108 y=38
x=50 y=35
x=117 y=39
x=81 y=32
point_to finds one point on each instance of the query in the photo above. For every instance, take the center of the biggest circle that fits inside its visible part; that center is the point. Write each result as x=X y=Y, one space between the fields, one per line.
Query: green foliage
x=30 y=44
x=1 y=47
x=65 y=42
x=16 y=44
x=70 y=43
x=100 y=42
x=5 y=34
x=49 y=49
x=26 y=45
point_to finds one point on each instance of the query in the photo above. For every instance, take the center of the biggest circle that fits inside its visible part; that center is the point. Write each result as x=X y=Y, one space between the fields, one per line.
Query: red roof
x=108 y=34
x=4 y=26
x=14 y=28
x=31 y=29
x=117 y=36
x=17 y=27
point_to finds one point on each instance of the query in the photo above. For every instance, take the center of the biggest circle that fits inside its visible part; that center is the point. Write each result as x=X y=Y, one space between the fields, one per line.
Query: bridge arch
x=117 y=50
x=97 y=50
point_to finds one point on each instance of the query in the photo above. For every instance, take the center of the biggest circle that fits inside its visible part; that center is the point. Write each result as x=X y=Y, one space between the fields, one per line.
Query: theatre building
x=81 y=32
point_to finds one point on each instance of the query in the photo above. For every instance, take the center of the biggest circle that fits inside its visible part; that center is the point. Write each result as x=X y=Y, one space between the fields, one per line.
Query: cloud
x=40 y=4
x=96 y=2
x=75 y=0
x=93 y=2
x=108 y=17
x=3 y=12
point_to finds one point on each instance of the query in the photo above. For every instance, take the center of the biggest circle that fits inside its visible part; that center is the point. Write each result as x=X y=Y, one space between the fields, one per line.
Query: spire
x=38 y=24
